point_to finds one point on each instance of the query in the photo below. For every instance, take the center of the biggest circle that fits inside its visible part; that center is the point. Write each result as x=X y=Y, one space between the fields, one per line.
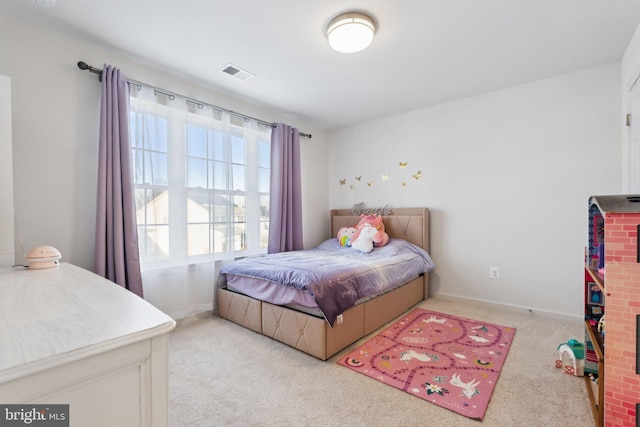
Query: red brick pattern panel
x=622 y=288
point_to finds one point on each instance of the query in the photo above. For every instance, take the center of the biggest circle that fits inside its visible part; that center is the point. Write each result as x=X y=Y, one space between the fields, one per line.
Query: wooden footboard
x=311 y=334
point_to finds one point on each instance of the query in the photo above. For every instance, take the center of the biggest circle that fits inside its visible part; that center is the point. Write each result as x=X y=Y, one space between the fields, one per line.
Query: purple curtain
x=285 y=216
x=116 y=252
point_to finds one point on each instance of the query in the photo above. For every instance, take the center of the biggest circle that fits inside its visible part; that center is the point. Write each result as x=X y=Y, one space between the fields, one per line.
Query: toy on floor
x=575 y=350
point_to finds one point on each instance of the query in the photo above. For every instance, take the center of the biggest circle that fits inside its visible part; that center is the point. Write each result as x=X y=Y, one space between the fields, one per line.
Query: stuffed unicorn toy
x=381 y=238
x=364 y=241
x=346 y=235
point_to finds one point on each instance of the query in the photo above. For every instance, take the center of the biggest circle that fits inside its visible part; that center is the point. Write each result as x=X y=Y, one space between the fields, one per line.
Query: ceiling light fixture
x=351 y=32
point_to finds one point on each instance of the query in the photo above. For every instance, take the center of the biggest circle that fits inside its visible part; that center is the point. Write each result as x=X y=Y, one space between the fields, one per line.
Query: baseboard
x=180 y=321
x=544 y=313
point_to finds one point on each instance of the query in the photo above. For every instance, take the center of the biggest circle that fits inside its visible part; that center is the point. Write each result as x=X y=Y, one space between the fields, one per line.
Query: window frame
x=253 y=136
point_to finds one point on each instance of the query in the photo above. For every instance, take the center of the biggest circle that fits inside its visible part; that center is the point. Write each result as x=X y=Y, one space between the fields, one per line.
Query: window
x=201 y=182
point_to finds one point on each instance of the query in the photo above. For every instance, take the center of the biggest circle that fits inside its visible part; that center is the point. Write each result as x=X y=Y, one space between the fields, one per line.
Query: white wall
x=55 y=135
x=6 y=175
x=507 y=176
x=630 y=72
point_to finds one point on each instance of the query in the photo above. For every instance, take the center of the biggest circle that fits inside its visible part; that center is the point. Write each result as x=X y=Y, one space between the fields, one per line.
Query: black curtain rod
x=84 y=66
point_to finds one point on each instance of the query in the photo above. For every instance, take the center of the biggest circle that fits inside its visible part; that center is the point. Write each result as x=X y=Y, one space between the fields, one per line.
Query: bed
x=308 y=329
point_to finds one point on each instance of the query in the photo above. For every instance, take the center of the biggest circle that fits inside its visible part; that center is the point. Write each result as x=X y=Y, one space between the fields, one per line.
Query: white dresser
x=69 y=336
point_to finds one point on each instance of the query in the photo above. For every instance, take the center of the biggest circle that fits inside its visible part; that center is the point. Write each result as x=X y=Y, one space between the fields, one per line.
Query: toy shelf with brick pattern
x=612 y=280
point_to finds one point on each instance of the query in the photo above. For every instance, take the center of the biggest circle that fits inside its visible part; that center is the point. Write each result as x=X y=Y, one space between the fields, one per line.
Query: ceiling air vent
x=236 y=72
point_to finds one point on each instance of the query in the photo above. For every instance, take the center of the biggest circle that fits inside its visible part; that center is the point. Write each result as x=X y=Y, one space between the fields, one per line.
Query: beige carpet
x=224 y=375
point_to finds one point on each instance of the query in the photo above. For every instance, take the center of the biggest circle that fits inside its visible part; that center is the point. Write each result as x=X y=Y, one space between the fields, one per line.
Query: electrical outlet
x=494 y=272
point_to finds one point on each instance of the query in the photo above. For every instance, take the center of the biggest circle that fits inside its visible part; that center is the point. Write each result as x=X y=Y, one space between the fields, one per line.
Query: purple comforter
x=336 y=276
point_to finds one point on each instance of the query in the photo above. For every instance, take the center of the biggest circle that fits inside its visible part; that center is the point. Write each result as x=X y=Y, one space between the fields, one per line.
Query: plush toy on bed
x=381 y=238
x=364 y=241
x=346 y=235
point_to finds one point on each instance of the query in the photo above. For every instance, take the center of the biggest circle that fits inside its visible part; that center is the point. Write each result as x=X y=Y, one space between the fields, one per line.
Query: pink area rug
x=447 y=360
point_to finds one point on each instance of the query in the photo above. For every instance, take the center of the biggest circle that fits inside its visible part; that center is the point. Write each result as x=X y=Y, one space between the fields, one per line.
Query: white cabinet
x=68 y=336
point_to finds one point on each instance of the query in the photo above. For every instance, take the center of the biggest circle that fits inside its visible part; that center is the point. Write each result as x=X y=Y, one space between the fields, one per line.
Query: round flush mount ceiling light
x=351 y=32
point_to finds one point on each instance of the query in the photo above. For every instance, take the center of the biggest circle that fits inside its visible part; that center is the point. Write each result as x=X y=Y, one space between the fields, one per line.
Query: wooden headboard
x=410 y=224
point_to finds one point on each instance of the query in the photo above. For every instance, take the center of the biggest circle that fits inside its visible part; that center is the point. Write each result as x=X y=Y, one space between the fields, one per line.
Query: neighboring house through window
x=201 y=182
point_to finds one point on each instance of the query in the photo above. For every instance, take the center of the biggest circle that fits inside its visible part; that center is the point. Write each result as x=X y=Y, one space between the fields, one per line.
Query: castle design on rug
x=450 y=361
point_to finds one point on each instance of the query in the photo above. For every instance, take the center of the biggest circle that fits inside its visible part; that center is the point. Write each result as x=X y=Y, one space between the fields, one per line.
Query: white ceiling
x=425 y=52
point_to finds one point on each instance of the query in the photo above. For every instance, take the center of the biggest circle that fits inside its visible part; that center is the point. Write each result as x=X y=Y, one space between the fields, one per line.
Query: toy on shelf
x=575 y=350
x=601 y=324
